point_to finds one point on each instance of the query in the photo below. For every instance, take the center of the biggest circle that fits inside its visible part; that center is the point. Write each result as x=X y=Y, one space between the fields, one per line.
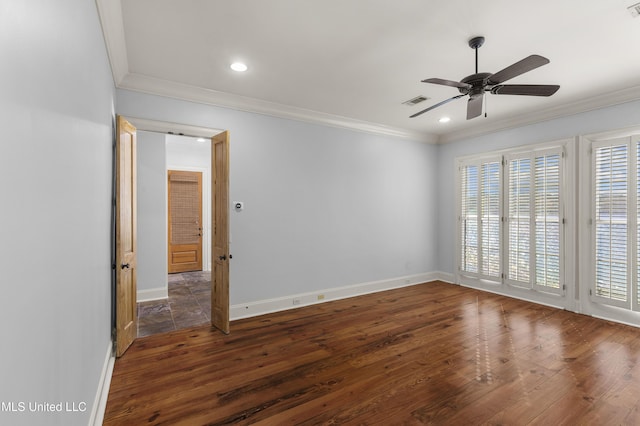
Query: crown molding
x=584 y=105
x=110 y=14
x=156 y=86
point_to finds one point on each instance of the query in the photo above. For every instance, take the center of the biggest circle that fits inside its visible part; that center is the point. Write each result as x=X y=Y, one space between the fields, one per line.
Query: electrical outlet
x=321 y=297
x=407 y=281
x=296 y=301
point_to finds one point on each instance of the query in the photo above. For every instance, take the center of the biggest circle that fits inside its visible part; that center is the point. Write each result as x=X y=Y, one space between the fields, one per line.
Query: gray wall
x=55 y=185
x=324 y=207
x=615 y=117
x=152 y=215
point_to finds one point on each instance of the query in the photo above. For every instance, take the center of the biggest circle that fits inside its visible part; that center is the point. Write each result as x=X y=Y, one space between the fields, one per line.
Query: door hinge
x=564 y=287
x=590 y=292
x=564 y=221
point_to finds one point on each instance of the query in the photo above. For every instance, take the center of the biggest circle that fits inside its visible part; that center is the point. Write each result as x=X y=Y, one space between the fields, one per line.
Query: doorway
x=195 y=286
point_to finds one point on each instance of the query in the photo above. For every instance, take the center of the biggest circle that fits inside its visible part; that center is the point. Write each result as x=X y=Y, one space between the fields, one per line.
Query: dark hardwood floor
x=428 y=354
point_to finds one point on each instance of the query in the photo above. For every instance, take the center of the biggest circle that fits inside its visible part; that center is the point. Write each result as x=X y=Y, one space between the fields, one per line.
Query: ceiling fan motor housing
x=478 y=83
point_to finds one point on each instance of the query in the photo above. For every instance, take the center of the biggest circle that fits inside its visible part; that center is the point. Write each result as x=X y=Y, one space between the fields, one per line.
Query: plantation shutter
x=479 y=218
x=610 y=217
x=490 y=219
x=469 y=218
x=519 y=221
x=534 y=221
x=548 y=221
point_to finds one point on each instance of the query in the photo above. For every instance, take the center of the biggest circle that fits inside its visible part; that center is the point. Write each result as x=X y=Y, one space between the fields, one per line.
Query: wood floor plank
x=427 y=354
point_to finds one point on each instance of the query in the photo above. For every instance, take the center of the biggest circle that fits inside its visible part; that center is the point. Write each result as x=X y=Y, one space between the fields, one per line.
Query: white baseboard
x=152 y=294
x=446 y=277
x=102 y=393
x=261 y=307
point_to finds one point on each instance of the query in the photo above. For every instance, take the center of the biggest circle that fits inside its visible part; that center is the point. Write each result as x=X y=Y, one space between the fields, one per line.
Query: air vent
x=415 y=101
x=634 y=10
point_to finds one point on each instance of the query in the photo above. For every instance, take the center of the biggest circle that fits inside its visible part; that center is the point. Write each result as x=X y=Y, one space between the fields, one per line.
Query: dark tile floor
x=188 y=305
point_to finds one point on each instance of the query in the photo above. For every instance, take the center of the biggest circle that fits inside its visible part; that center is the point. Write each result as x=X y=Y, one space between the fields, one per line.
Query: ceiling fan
x=476 y=84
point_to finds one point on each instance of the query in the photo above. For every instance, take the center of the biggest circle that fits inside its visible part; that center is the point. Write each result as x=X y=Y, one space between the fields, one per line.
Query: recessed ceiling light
x=238 y=66
x=444 y=120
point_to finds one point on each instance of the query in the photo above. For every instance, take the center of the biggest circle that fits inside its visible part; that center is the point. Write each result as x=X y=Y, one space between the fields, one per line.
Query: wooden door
x=185 y=221
x=220 y=238
x=126 y=309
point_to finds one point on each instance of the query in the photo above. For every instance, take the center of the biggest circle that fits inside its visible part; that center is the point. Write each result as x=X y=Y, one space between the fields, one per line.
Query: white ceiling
x=352 y=63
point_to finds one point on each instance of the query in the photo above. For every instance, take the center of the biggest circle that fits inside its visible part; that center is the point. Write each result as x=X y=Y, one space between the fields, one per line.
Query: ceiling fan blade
x=527 y=64
x=474 y=107
x=436 y=105
x=525 y=89
x=449 y=83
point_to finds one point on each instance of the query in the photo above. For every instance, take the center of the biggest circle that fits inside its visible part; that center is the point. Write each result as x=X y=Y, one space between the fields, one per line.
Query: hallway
x=188 y=305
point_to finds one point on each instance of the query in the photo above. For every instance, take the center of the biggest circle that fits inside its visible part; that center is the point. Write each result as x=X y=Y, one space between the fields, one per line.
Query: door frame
x=166 y=127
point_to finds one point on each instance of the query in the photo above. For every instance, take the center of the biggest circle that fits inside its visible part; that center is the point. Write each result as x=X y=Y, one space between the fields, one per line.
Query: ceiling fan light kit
x=475 y=85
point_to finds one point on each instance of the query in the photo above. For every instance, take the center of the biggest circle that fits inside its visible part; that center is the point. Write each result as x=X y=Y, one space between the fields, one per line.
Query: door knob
x=222 y=257
x=125 y=265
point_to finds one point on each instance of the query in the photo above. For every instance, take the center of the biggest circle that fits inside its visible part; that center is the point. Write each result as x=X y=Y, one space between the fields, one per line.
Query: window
x=490 y=218
x=519 y=220
x=534 y=220
x=522 y=198
x=615 y=221
x=469 y=218
x=480 y=215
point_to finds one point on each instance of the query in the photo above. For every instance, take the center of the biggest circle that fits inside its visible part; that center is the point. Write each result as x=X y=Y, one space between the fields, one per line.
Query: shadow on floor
x=188 y=305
